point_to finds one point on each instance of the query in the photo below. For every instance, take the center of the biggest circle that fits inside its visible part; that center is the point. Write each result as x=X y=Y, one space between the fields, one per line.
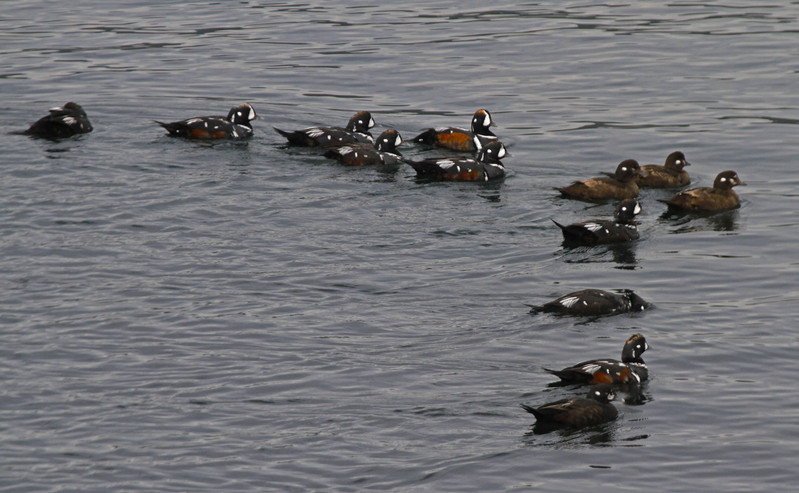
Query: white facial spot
x=637 y=208
x=501 y=152
x=624 y=168
x=68 y=120
x=398 y=141
x=723 y=179
x=371 y=123
x=487 y=121
x=252 y=113
x=679 y=161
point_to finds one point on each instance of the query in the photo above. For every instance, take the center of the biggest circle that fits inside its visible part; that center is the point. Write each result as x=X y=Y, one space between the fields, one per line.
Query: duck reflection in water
x=692 y=222
x=622 y=254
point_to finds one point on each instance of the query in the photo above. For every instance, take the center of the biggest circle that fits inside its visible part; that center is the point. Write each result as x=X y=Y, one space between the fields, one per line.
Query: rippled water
x=179 y=316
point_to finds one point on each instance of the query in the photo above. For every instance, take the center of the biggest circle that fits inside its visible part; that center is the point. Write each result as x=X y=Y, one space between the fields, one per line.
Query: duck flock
x=480 y=159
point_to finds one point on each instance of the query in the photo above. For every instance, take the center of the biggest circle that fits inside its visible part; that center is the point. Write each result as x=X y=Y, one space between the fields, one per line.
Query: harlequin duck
x=236 y=125
x=460 y=139
x=487 y=166
x=594 y=302
x=65 y=121
x=669 y=175
x=622 y=185
x=577 y=412
x=356 y=131
x=597 y=232
x=719 y=198
x=631 y=368
x=384 y=151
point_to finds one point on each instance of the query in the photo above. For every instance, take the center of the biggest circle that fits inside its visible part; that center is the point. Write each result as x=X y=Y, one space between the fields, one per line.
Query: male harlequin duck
x=236 y=125
x=577 y=412
x=597 y=232
x=669 y=175
x=622 y=185
x=719 y=198
x=594 y=302
x=631 y=368
x=384 y=151
x=460 y=139
x=487 y=166
x=356 y=131
x=65 y=121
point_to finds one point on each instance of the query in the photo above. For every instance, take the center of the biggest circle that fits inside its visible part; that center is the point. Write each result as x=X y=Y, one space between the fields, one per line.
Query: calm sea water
x=179 y=316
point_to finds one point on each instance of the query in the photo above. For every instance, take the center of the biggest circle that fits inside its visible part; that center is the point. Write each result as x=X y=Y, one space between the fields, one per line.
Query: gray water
x=179 y=316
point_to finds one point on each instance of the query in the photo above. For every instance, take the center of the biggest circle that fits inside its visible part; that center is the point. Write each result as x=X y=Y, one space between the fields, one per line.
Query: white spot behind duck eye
x=624 y=168
x=68 y=120
x=723 y=179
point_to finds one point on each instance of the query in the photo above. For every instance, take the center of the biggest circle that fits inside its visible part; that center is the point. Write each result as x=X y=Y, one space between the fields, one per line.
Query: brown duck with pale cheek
x=622 y=185
x=720 y=197
x=669 y=175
